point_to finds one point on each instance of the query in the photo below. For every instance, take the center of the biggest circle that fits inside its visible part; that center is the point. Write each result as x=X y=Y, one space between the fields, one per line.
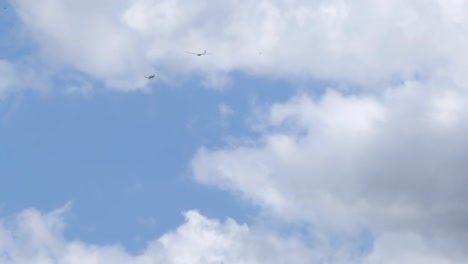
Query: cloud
x=393 y=162
x=364 y=42
x=34 y=237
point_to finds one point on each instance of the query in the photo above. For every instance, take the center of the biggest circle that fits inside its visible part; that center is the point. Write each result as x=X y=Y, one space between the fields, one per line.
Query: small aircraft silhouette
x=150 y=77
x=198 y=54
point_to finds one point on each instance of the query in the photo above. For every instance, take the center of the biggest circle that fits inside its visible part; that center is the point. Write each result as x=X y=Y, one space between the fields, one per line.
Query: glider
x=198 y=54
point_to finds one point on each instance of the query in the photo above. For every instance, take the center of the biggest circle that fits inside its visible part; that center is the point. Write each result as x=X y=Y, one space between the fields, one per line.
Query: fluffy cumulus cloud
x=34 y=237
x=37 y=238
x=364 y=42
x=394 y=162
x=389 y=158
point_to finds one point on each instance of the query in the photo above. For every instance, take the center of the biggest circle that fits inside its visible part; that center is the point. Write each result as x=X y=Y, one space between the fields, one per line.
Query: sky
x=320 y=131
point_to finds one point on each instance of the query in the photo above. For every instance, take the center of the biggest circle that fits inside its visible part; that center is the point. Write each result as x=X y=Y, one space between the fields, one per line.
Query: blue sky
x=122 y=159
x=307 y=135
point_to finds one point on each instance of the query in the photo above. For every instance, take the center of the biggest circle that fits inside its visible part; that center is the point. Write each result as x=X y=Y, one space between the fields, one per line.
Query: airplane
x=198 y=54
x=150 y=77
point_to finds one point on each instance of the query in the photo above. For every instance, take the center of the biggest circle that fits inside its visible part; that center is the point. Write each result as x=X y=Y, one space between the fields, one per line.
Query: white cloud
x=37 y=238
x=364 y=41
x=394 y=162
x=81 y=35
x=33 y=237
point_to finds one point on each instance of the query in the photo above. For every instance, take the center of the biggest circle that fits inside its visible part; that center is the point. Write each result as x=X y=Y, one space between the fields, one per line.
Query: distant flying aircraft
x=150 y=77
x=198 y=54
